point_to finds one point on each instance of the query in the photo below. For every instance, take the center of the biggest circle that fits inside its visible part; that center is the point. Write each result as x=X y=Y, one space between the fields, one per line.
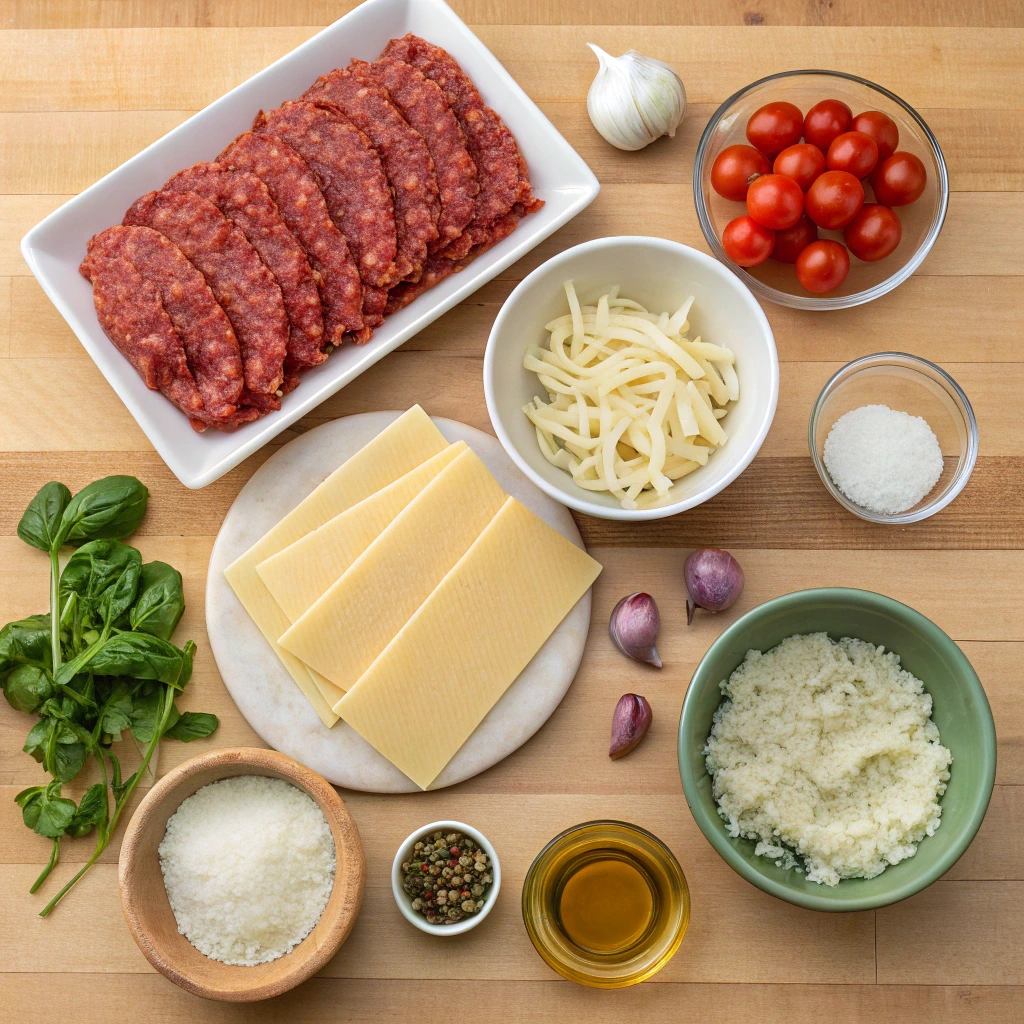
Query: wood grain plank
x=974 y=240
x=984 y=149
x=969 y=917
x=906 y=317
x=115 y=69
x=974 y=602
x=6 y=318
x=95 y=998
x=800 y=514
x=728 y=914
x=205 y=13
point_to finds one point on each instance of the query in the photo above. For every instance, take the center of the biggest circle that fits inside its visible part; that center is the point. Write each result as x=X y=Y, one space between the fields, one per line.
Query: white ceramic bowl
x=660 y=274
x=402 y=897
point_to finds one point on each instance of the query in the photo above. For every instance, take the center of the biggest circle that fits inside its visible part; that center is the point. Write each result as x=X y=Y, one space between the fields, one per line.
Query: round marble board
x=267 y=695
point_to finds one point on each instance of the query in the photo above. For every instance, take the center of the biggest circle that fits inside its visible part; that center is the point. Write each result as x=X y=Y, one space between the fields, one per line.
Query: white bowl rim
x=402 y=898
x=567 y=497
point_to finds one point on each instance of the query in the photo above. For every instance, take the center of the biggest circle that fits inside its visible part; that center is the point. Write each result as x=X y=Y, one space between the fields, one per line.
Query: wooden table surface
x=85 y=84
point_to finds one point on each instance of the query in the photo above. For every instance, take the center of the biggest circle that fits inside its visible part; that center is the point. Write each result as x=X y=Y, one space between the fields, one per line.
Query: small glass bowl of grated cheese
x=873 y=434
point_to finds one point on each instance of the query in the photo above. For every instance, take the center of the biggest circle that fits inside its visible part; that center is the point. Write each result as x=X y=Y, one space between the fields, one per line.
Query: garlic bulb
x=634 y=99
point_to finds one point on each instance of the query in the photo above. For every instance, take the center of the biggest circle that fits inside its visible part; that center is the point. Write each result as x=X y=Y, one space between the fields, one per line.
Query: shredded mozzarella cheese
x=633 y=404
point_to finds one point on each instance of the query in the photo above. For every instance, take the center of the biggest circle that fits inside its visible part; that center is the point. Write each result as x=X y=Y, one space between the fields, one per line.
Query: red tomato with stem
x=735 y=168
x=822 y=266
x=899 y=180
x=775 y=201
x=834 y=199
x=746 y=242
x=881 y=128
x=774 y=127
x=802 y=162
x=854 y=152
x=791 y=242
x=873 y=234
x=826 y=121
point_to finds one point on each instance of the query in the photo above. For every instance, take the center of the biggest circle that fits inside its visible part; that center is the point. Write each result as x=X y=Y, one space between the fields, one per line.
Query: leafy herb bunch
x=100 y=663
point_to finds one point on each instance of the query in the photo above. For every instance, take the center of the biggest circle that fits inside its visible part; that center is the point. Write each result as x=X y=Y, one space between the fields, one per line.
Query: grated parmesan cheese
x=883 y=460
x=248 y=865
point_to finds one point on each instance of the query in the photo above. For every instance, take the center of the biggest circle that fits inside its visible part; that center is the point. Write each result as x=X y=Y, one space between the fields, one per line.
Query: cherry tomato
x=873 y=233
x=854 y=152
x=899 y=180
x=881 y=128
x=774 y=127
x=822 y=266
x=746 y=242
x=791 y=242
x=834 y=199
x=775 y=201
x=802 y=162
x=735 y=168
x=825 y=121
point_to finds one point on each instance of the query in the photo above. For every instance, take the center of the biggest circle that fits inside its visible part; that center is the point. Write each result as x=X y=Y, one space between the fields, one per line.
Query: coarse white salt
x=248 y=865
x=883 y=460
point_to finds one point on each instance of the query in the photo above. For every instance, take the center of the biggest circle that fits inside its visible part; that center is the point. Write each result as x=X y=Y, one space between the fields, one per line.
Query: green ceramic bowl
x=961 y=712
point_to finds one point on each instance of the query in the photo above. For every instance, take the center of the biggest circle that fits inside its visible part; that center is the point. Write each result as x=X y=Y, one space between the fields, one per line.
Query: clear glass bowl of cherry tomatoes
x=820 y=189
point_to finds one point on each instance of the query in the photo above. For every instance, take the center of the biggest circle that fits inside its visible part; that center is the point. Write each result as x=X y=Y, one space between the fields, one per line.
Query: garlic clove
x=630 y=721
x=634 y=625
x=634 y=99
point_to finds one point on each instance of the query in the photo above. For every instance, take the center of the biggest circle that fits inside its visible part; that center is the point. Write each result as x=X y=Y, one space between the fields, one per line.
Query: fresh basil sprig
x=99 y=664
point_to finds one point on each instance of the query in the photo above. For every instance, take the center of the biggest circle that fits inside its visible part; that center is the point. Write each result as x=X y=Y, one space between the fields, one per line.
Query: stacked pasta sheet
x=407 y=592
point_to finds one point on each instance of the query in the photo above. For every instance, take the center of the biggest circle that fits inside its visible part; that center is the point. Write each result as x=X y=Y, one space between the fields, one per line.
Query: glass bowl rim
x=917 y=365
x=594 y=981
x=765 y=291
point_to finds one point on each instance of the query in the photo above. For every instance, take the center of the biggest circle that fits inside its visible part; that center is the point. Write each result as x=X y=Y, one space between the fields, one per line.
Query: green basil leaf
x=111 y=508
x=105 y=576
x=40 y=523
x=145 y=709
x=115 y=712
x=35 y=742
x=25 y=642
x=193 y=725
x=27 y=687
x=48 y=813
x=69 y=759
x=161 y=601
x=144 y=657
x=92 y=811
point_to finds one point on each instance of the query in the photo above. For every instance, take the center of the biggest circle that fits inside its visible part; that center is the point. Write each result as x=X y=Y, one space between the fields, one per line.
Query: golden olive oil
x=607 y=903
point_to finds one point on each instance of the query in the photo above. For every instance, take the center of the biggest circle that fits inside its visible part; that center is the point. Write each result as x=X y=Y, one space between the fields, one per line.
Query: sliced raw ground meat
x=504 y=182
x=296 y=191
x=131 y=313
x=421 y=102
x=352 y=180
x=243 y=199
x=404 y=154
x=439 y=266
x=239 y=279
x=209 y=342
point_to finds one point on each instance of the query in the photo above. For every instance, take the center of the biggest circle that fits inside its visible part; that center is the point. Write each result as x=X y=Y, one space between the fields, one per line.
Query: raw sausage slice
x=404 y=154
x=243 y=198
x=440 y=265
x=421 y=102
x=131 y=313
x=504 y=181
x=353 y=183
x=205 y=332
x=239 y=279
x=293 y=186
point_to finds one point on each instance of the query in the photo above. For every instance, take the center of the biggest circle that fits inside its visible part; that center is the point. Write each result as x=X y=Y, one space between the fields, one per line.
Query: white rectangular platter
x=55 y=247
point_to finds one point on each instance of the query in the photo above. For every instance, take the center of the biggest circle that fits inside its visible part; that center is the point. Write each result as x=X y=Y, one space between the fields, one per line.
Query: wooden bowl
x=148 y=912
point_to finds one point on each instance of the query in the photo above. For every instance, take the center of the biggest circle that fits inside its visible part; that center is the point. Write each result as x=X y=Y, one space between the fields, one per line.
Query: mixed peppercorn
x=447 y=876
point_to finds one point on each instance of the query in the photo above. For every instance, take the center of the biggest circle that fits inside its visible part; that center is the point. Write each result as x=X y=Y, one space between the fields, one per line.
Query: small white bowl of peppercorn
x=445 y=878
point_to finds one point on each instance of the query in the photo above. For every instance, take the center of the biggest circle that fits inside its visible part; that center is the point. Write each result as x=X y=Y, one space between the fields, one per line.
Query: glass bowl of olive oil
x=606 y=904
